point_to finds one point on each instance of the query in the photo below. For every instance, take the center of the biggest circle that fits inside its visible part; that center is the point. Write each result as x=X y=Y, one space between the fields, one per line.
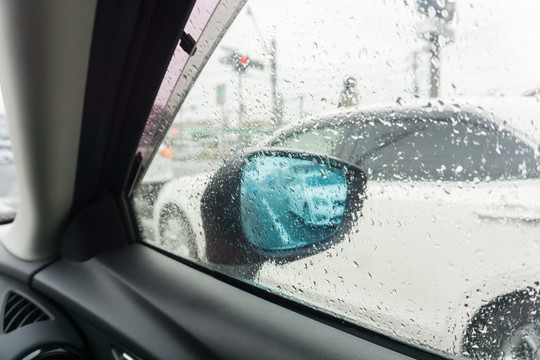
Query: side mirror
x=280 y=205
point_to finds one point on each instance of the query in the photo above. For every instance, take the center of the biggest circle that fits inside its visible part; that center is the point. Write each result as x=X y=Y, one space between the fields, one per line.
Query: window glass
x=377 y=161
x=9 y=196
x=439 y=151
x=428 y=148
x=322 y=141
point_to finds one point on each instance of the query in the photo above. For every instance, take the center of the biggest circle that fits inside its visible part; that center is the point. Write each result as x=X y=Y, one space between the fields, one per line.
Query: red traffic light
x=243 y=60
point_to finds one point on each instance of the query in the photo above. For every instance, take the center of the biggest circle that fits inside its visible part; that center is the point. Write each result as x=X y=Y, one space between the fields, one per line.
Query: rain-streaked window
x=9 y=195
x=378 y=161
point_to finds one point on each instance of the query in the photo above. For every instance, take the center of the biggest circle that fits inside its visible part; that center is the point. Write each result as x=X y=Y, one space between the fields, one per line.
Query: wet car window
x=9 y=196
x=376 y=161
x=323 y=141
x=450 y=147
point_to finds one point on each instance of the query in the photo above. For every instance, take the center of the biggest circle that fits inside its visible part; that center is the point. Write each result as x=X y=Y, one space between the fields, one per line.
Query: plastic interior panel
x=57 y=331
x=44 y=112
x=162 y=309
x=18 y=269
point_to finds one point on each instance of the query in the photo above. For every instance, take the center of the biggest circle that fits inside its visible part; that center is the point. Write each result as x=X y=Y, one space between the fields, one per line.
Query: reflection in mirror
x=288 y=203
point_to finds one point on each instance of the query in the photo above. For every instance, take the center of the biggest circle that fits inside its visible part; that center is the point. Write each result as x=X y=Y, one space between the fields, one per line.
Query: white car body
x=315 y=209
x=423 y=257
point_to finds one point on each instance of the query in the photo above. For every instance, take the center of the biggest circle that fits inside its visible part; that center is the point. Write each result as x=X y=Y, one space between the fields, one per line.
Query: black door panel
x=158 y=308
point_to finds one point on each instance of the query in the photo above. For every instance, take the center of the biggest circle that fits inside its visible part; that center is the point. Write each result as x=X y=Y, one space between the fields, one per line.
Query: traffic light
x=241 y=62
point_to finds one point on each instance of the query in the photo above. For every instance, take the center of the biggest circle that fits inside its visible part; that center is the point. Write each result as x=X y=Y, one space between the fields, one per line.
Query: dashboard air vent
x=19 y=311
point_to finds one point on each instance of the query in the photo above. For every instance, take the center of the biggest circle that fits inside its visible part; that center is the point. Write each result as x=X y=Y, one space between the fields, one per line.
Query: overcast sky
x=493 y=52
x=319 y=43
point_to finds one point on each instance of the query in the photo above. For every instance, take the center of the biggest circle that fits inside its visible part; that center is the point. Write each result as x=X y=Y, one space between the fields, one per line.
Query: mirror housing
x=279 y=205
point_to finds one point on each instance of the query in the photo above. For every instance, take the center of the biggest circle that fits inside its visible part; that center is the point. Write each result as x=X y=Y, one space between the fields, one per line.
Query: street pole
x=276 y=113
x=415 y=73
x=240 y=64
x=438 y=14
x=240 y=99
x=434 y=65
x=272 y=52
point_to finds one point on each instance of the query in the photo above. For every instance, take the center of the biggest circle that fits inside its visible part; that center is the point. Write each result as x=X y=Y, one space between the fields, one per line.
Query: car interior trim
x=135 y=277
x=56 y=43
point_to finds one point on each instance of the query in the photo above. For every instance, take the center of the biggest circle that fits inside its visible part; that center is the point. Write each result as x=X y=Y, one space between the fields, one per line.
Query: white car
x=317 y=203
x=433 y=255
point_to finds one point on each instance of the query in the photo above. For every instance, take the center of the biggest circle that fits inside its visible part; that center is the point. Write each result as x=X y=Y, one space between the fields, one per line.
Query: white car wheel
x=175 y=233
x=508 y=328
x=523 y=343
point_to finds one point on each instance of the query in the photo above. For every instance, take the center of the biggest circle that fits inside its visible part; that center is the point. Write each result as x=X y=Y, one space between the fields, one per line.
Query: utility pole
x=272 y=53
x=435 y=29
x=276 y=110
x=240 y=64
x=241 y=106
x=415 y=74
x=302 y=113
x=220 y=100
x=434 y=65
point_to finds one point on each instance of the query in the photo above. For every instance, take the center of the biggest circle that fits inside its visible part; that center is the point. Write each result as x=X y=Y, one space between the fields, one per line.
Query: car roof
x=515 y=115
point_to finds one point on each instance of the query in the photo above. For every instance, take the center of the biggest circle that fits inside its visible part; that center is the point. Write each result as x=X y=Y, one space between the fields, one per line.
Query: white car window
x=445 y=147
x=377 y=161
x=322 y=141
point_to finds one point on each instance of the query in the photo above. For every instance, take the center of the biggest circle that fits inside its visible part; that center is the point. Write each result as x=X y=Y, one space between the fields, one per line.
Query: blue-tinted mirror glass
x=289 y=203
